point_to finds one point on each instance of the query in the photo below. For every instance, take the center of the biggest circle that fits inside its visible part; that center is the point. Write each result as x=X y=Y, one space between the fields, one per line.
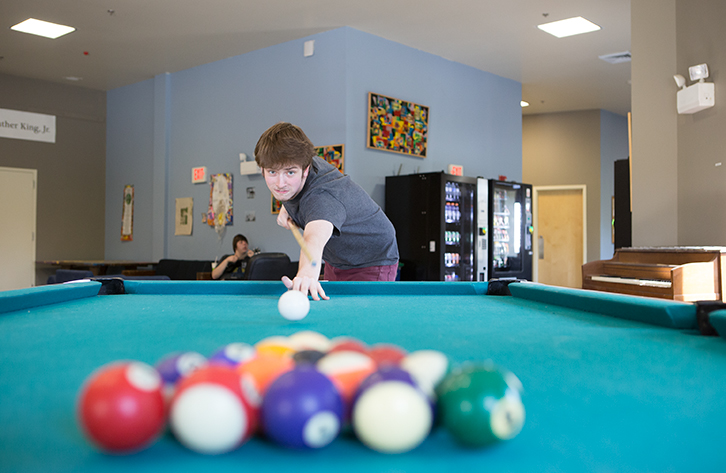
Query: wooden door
x=560 y=235
x=17 y=228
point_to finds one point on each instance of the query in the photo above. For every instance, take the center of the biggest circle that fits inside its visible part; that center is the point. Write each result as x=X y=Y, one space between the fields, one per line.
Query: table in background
x=98 y=267
x=602 y=393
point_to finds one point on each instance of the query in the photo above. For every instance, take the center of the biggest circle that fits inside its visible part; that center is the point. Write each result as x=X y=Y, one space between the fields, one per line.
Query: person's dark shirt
x=234 y=270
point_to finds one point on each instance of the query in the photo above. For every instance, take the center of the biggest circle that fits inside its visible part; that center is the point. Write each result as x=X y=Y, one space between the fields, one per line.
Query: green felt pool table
x=612 y=383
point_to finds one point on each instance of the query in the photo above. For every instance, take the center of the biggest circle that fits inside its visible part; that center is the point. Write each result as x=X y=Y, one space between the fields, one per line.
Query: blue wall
x=130 y=160
x=613 y=146
x=159 y=129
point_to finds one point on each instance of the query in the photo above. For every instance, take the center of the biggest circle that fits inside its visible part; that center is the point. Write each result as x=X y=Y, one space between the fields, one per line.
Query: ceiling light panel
x=569 y=27
x=42 y=28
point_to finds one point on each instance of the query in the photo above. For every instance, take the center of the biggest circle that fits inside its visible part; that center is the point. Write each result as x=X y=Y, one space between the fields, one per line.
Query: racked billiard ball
x=210 y=413
x=392 y=416
x=302 y=409
x=481 y=405
x=232 y=354
x=121 y=406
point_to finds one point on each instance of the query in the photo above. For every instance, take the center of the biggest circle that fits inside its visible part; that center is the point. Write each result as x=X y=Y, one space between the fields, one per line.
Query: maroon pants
x=371 y=273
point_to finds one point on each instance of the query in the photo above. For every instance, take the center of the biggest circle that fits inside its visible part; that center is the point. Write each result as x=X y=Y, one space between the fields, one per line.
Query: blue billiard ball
x=302 y=409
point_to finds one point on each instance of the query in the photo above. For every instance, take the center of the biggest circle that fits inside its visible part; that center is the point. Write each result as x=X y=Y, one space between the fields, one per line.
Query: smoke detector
x=616 y=58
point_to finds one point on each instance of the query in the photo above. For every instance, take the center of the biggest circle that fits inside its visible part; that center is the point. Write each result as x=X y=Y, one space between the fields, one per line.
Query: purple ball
x=232 y=354
x=178 y=365
x=302 y=409
x=385 y=373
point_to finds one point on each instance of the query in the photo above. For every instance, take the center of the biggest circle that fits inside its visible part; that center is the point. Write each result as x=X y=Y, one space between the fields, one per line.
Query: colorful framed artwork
x=219 y=213
x=334 y=154
x=397 y=126
x=276 y=205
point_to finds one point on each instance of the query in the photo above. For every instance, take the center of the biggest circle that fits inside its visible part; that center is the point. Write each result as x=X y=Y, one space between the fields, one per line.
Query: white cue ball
x=293 y=305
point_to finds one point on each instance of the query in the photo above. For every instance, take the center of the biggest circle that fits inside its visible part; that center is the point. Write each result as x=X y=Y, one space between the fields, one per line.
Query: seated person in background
x=233 y=266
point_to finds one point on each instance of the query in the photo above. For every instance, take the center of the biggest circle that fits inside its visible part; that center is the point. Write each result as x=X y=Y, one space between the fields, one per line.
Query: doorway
x=560 y=247
x=17 y=227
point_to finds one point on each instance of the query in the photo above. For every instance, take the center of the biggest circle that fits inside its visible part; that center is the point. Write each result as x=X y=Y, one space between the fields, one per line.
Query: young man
x=233 y=266
x=341 y=224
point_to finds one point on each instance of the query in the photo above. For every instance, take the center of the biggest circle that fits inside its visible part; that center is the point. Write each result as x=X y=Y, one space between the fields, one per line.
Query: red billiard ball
x=121 y=406
x=347 y=344
x=386 y=354
x=210 y=413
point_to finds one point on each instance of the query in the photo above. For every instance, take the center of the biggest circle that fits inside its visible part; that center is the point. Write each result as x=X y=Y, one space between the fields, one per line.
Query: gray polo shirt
x=362 y=234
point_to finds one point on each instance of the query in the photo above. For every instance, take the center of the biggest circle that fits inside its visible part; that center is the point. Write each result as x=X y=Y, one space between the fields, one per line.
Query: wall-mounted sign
x=27 y=126
x=456 y=170
x=199 y=175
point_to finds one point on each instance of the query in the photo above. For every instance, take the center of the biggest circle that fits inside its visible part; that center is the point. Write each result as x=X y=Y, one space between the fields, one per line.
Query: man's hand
x=306 y=285
x=316 y=235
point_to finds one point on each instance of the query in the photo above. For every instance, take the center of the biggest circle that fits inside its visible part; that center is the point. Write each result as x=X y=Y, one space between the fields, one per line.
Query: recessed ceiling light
x=569 y=27
x=74 y=78
x=524 y=104
x=42 y=28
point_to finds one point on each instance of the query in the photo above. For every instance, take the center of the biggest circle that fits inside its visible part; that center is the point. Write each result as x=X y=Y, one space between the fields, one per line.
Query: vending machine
x=434 y=217
x=456 y=228
x=504 y=230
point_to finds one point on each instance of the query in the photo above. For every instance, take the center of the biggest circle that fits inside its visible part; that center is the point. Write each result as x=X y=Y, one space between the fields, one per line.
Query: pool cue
x=301 y=242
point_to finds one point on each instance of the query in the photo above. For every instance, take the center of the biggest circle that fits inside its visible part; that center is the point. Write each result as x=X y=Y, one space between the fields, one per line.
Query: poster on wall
x=276 y=205
x=127 y=215
x=397 y=126
x=219 y=213
x=334 y=154
x=183 y=219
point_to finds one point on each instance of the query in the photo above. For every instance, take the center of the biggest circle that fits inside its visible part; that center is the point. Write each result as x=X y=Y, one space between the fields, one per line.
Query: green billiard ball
x=481 y=405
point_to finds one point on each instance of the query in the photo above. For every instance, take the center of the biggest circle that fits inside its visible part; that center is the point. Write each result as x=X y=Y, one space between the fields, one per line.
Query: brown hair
x=284 y=144
x=238 y=238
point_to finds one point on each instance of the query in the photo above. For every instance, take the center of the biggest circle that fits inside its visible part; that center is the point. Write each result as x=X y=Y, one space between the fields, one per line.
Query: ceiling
x=121 y=42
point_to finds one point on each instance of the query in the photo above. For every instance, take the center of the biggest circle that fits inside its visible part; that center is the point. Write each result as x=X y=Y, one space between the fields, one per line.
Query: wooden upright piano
x=678 y=273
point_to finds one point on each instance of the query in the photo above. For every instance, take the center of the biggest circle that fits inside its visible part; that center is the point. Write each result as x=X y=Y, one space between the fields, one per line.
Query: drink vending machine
x=504 y=230
x=457 y=228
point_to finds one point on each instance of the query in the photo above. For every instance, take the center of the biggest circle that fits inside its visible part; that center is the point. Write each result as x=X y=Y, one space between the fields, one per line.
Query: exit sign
x=456 y=170
x=199 y=175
